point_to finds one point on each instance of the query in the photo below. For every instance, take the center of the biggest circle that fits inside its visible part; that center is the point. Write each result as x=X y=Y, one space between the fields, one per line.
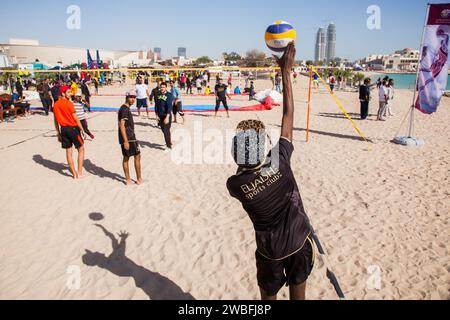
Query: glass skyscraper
x=326 y=44
x=331 y=42
x=321 y=45
x=182 y=52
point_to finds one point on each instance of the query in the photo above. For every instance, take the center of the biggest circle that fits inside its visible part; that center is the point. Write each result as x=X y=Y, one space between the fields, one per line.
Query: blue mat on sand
x=190 y=108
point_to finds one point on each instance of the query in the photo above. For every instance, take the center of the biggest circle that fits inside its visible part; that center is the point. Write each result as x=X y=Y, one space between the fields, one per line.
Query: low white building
x=402 y=60
x=29 y=51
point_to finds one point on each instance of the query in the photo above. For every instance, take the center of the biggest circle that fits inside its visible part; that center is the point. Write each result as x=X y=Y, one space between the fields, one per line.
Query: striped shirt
x=79 y=109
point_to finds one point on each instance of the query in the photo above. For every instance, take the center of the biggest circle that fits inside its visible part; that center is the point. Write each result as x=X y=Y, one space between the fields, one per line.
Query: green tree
x=358 y=78
x=203 y=60
x=309 y=63
x=347 y=74
x=231 y=58
x=255 y=58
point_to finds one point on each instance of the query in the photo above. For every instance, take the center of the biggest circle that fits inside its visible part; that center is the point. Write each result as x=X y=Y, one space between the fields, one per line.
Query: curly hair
x=256 y=125
x=249 y=144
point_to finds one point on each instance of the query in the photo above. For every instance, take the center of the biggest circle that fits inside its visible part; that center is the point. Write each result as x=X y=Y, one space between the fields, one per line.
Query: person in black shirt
x=87 y=94
x=163 y=110
x=268 y=192
x=19 y=87
x=155 y=92
x=154 y=95
x=55 y=91
x=252 y=91
x=221 y=96
x=128 y=141
x=364 y=97
x=189 y=81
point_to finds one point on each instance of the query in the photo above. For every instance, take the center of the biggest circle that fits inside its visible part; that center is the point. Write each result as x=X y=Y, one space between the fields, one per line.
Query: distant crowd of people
x=198 y=82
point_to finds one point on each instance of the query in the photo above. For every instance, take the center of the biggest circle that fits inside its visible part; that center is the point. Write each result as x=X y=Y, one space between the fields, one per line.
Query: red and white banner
x=435 y=61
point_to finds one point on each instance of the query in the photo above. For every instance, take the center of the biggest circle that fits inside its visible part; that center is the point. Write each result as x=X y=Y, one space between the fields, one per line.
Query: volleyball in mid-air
x=279 y=34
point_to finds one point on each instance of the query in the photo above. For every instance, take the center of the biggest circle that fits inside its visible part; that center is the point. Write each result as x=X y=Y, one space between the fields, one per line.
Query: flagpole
x=309 y=103
x=413 y=107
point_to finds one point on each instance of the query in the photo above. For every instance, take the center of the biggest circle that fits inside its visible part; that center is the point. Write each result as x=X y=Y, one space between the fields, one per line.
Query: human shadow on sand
x=331 y=134
x=144 y=124
x=95 y=170
x=202 y=115
x=354 y=116
x=145 y=144
x=61 y=168
x=155 y=286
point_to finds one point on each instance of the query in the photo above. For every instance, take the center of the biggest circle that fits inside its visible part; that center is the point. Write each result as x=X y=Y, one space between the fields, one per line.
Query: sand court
x=379 y=209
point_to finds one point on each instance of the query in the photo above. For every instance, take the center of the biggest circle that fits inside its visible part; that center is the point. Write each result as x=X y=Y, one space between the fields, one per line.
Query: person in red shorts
x=70 y=131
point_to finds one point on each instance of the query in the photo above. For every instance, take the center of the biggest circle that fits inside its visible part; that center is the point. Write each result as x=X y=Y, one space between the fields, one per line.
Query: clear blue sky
x=210 y=27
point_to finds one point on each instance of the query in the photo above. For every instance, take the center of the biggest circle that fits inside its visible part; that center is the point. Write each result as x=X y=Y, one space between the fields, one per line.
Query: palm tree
x=347 y=74
x=358 y=78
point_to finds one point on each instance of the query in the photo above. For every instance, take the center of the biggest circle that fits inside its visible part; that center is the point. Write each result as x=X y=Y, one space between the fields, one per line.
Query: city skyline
x=396 y=32
x=325 y=49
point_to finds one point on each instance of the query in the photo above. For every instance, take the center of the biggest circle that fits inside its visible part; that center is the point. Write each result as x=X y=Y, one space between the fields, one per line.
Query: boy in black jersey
x=221 y=96
x=127 y=139
x=267 y=189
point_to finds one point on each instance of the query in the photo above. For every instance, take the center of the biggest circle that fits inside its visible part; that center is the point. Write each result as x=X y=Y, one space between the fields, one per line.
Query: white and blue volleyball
x=279 y=35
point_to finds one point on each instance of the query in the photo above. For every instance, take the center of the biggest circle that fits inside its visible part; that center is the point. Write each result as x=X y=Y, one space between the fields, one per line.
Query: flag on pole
x=435 y=59
x=99 y=65
x=89 y=60
x=98 y=59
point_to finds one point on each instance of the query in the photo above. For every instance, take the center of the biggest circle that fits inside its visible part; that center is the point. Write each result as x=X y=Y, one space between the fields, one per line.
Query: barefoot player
x=267 y=189
x=71 y=132
x=127 y=139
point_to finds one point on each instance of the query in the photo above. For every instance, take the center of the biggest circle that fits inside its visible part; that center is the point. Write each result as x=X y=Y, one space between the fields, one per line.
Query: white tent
x=4 y=62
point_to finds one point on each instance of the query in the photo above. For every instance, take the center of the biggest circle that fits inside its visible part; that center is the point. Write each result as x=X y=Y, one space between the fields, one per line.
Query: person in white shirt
x=142 y=93
x=81 y=113
x=384 y=98
x=198 y=83
x=391 y=92
x=205 y=80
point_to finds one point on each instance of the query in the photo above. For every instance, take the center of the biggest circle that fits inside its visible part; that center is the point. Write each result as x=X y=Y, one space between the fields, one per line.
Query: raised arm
x=286 y=63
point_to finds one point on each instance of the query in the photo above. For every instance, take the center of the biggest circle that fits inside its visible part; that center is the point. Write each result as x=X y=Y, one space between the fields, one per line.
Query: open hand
x=123 y=235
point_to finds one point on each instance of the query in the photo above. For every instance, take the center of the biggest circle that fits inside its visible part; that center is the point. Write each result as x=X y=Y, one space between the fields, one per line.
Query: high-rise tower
x=320 y=45
x=331 y=42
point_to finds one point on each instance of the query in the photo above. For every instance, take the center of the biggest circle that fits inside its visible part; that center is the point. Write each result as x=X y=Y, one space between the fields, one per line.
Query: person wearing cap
x=79 y=108
x=221 y=96
x=70 y=131
x=127 y=139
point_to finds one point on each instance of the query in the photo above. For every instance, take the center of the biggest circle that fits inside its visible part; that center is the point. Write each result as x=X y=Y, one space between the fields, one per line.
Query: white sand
x=372 y=204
